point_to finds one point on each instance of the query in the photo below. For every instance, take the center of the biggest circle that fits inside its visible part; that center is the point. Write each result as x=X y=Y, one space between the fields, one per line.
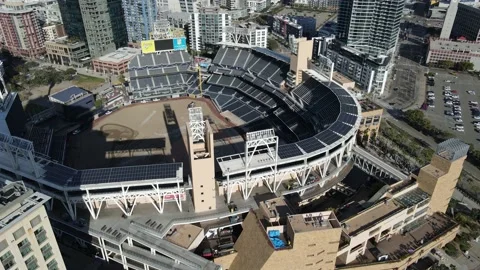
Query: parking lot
x=460 y=84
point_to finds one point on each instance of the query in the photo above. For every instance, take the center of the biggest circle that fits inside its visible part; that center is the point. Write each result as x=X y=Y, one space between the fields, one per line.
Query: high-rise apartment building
x=207 y=27
x=20 y=30
x=140 y=16
x=26 y=236
x=99 y=23
x=371 y=27
x=104 y=25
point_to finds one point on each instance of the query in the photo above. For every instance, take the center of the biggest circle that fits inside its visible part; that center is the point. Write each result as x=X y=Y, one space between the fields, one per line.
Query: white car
x=431 y=98
x=458 y=119
x=108 y=112
x=476 y=117
x=143 y=101
x=473 y=102
x=471 y=92
x=448 y=102
x=455 y=96
x=460 y=129
x=448 y=81
x=430 y=93
x=447 y=94
x=431 y=105
x=456 y=107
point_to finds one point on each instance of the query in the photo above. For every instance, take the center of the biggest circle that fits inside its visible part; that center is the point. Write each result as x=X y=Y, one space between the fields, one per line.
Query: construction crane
x=199 y=74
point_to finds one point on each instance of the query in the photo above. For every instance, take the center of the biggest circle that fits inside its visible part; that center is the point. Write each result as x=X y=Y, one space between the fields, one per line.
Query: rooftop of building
x=415 y=236
x=69 y=94
x=371 y=216
x=337 y=76
x=313 y=221
x=16 y=201
x=432 y=170
x=368 y=105
x=120 y=55
x=358 y=56
x=251 y=25
x=66 y=41
x=452 y=149
x=183 y=235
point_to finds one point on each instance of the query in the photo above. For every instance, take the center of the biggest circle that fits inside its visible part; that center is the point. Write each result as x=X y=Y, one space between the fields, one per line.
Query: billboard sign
x=180 y=43
x=148 y=46
x=171 y=44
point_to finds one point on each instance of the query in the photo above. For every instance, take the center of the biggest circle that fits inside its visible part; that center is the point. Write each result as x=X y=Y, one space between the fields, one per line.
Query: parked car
x=449 y=113
x=471 y=92
x=476 y=117
x=449 y=102
x=458 y=119
x=108 y=112
x=473 y=102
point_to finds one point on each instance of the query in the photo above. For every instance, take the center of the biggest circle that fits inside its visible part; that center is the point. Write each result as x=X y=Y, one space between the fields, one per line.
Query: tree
x=121 y=78
x=70 y=71
x=463 y=66
x=447 y=64
x=272 y=44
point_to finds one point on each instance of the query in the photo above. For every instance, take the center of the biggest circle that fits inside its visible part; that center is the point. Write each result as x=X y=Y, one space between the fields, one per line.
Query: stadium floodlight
x=197 y=124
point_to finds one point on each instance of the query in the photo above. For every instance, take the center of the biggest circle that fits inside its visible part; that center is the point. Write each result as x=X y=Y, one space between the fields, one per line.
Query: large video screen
x=172 y=44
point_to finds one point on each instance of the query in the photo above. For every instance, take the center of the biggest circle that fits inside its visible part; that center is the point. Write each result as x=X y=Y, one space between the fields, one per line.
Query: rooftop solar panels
x=289 y=150
x=310 y=145
x=251 y=116
x=126 y=174
x=340 y=128
x=349 y=109
x=347 y=118
x=327 y=136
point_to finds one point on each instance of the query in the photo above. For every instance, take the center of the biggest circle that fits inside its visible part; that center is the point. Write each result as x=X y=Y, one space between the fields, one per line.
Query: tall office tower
x=72 y=19
x=440 y=177
x=207 y=27
x=104 y=25
x=26 y=236
x=449 y=19
x=140 y=15
x=370 y=26
x=467 y=23
x=202 y=161
x=20 y=30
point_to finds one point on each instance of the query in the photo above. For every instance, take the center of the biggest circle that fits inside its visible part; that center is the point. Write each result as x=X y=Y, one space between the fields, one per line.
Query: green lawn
x=87 y=82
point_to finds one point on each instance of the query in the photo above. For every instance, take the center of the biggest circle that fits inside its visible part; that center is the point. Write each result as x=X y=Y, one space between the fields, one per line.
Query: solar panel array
x=68 y=177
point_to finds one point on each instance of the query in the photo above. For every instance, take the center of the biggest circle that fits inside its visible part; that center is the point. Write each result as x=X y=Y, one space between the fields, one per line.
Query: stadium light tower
x=197 y=124
x=202 y=161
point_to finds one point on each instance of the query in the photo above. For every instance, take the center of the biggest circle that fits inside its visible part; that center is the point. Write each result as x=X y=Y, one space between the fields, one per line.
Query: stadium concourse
x=289 y=134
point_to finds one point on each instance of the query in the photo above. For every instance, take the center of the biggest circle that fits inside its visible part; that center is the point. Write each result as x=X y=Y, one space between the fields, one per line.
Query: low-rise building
x=455 y=51
x=27 y=240
x=115 y=62
x=67 y=52
x=52 y=32
x=371 y=118
x=73 y=102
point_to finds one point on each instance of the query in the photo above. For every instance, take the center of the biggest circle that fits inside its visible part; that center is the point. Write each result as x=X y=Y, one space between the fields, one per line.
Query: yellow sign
x=148 y=46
